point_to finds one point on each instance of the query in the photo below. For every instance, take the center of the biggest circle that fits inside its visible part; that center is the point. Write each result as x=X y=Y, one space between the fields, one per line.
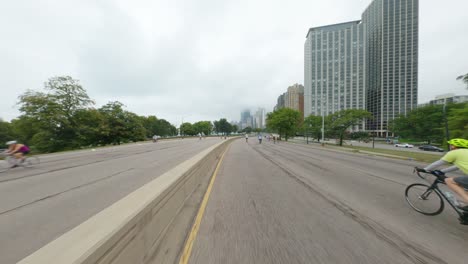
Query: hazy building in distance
x=259 y=118
x=369 y=64
x=246 y=119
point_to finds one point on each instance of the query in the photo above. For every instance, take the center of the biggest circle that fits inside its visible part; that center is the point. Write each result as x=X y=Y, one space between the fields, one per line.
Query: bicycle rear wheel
x=31 y=161
x=424 y=199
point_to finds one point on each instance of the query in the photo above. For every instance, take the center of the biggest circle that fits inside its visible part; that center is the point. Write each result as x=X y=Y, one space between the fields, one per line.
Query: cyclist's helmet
x=11 y=142
x=458 y=142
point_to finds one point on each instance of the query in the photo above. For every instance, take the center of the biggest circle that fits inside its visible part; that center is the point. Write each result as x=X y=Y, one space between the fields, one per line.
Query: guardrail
x=132 y=229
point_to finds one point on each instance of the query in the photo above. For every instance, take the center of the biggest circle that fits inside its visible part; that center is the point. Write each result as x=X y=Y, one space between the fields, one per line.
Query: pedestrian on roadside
x=246 y=137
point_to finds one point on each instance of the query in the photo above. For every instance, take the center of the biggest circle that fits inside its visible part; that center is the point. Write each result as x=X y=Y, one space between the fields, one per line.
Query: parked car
x=430 y=148
x=404 y=145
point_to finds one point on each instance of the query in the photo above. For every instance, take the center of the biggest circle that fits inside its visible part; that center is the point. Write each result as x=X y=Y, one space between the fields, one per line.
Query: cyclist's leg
x=458 y=185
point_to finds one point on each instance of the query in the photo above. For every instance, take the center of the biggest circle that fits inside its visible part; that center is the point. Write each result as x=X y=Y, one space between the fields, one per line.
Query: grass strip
x=424 y=157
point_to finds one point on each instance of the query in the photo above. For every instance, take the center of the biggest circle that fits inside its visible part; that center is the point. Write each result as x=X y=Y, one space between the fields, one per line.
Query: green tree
x=92 y=127
x=222 y=126
x=150 y=124
x=235 y=129
x=187 y=129
x=359 y=135
x=6 y=132
x=52 y=113
x=464 y=79
x=423 y=124
x=164 y=128
x=204 y=127
x=123 y=126
x=247 y=130
x=313 y=126
x=24 y=128
x=340 y=121
x=284 y=121
x=458 y=120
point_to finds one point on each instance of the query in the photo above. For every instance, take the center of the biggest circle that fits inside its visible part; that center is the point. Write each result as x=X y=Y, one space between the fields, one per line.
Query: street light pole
x=323 y=127
x=446 y=123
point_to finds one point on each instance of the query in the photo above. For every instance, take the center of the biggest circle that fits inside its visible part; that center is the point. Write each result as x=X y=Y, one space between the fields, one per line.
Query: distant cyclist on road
x=458 y=155
x=246 y=137
x=260 y=139
x=17 y=150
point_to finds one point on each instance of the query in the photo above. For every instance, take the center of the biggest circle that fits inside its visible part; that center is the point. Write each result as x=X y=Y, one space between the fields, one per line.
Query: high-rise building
x=334 y=69
x=392 y=60
x=246 y=119
x=295 y=98
x=259 y=118
x=280 y=103
x=367 y=64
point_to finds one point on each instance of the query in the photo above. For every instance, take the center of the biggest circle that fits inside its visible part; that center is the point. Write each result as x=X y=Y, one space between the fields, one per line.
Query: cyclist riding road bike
x=17 y=150
x=458 y=156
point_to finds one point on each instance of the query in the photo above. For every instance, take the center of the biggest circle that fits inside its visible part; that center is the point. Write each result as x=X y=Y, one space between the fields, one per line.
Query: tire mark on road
x=415 y=253
x=308 y=161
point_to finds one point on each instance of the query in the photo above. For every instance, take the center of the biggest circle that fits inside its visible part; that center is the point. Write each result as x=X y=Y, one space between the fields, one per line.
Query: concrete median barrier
x=132 y=229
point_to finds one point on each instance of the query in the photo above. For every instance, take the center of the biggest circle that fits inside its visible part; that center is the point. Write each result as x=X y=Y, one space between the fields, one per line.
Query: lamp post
x=323 y=128
x=446 y=123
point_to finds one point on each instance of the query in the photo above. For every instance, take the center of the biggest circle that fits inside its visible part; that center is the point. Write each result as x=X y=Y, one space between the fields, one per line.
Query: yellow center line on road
x=196 y=225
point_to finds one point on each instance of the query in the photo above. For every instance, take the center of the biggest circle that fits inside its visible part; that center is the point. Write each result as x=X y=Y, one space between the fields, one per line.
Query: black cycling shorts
x=462 y=181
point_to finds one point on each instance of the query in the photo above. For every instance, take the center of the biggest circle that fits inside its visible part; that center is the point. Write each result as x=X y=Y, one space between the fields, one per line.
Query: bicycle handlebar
x=436 y=173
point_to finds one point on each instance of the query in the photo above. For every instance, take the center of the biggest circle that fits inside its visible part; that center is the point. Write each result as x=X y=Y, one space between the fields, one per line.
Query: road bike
x=427 y=199
x=9 y=162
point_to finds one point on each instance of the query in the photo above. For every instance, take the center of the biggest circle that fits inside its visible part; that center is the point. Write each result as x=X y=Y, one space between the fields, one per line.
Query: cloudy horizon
x=197 y=61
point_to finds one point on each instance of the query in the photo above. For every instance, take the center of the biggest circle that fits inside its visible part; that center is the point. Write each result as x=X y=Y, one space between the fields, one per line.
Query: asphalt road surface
x=39 y=204
x=292 y=203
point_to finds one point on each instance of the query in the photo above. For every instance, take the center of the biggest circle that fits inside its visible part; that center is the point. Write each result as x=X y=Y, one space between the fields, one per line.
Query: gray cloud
x=201 y=60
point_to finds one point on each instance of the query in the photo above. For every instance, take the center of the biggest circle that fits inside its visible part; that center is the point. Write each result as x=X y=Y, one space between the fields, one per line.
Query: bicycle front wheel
x=4 y=165
x=424 y=199
x=31 y=161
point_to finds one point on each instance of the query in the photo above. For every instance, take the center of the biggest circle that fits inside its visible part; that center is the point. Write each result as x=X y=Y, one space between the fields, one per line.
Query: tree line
x=63 y=117
x=289 y=122
x=431 y=123
x=425 y=124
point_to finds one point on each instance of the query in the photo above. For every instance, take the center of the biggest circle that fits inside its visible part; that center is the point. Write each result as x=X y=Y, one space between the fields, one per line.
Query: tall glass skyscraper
x=334 y=68
x=381 y=77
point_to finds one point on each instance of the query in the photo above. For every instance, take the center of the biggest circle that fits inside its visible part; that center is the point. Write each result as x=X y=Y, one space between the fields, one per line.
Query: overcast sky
x=199 y=59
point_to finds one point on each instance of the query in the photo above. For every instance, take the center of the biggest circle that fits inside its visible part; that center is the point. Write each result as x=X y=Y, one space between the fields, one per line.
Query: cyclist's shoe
x=464 y=207
x=463 y=221
x=464 y=218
